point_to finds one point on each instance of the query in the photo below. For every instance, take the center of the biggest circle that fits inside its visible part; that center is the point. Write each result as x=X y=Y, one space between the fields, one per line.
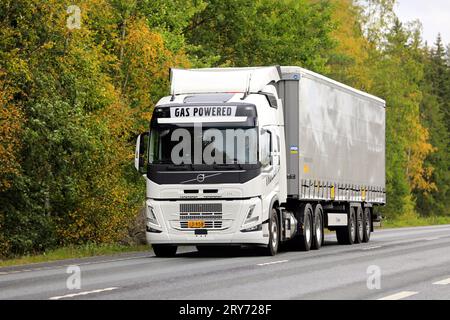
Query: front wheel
x=164 y=251
x=274 y=239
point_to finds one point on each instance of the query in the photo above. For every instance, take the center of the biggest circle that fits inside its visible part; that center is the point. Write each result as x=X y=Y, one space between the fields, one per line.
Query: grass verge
x=72 y=252
x=414 y=221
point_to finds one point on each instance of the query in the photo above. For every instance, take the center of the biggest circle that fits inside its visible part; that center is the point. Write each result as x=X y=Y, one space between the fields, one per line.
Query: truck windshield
x=191 y=146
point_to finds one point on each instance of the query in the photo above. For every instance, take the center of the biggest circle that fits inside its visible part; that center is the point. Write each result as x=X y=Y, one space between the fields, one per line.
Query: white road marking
x=83 y=293
x=432 y=239
x=271 y=263
x=372 y=248
x=400 y=295
x=443 y=282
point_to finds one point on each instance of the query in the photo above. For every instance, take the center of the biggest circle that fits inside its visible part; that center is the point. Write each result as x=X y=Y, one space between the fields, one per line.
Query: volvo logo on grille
x=201 y=178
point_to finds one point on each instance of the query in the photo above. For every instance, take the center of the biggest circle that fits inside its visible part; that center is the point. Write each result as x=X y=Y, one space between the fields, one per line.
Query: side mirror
x=141 y=151
x=272 y=99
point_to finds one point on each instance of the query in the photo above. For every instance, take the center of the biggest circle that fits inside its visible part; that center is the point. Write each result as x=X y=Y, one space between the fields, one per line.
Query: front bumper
x=216 y=238
x=168 y=230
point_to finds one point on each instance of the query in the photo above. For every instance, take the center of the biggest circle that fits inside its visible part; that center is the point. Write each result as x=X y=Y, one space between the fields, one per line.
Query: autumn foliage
x=72 y=100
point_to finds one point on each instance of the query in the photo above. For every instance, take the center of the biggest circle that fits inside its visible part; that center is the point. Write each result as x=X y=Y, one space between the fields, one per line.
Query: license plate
x=196 y=224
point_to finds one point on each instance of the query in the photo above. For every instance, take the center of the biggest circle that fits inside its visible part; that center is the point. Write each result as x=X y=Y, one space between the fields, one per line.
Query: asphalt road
x=413 y=263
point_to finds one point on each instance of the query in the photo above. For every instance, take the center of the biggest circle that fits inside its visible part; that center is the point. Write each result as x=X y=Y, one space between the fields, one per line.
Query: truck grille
x=200 y=207
x=210 y=213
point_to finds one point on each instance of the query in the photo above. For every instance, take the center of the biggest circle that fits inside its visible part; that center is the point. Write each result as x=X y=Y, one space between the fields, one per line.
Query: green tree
x=82 y=93
x=434 y=109
x=397 y=74
x=439 y=77
x=262 y=32
x=349 y=60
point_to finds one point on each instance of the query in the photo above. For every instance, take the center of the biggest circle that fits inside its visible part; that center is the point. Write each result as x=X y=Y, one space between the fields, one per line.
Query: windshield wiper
x=229 y=166
x=191 y=167
x=179 y=167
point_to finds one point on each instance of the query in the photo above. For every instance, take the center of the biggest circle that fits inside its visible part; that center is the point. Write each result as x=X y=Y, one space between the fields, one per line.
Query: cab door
x=271 y=162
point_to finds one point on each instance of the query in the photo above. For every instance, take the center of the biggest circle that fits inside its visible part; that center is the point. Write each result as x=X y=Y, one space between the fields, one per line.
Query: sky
x=434 y=15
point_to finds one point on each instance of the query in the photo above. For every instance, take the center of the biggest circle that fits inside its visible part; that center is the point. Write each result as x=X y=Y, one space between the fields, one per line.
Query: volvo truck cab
x=212 y=161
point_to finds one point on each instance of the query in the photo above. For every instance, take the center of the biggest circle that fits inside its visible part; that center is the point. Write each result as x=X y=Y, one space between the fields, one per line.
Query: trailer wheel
x=164 y=251
x=367 y=219
x=346 y=235
x=318 y=237
x=305 y=239
x=359 y=225
x=274 y=234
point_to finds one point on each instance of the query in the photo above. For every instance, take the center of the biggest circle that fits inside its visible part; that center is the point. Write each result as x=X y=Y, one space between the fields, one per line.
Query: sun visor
x=220 y=80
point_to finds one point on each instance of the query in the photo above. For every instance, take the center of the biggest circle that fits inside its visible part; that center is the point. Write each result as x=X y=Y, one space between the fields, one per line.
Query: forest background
x=79 y=80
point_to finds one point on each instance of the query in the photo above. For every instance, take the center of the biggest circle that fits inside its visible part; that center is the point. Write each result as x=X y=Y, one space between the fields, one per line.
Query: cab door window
x=266 y=148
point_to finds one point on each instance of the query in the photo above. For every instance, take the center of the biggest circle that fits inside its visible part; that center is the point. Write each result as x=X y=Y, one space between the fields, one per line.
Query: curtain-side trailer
x=261 y=156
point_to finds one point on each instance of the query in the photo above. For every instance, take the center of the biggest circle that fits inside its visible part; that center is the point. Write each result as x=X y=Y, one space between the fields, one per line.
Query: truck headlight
x=251 y=218
x=151 y=216
x=253 y=229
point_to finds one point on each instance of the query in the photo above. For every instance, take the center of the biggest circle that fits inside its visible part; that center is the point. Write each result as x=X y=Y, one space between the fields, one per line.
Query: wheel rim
x=307 y=230
x=319 y=230
x=274 y=234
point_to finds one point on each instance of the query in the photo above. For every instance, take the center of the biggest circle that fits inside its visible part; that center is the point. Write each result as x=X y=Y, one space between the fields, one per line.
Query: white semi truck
x=261 y=156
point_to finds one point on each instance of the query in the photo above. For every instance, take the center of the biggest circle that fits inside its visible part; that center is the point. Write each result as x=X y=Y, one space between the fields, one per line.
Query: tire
x=359 y=225
x=318 y=235
x=274 y=234
x=367 y=221
x=346 y=235
x=304 y=241
x=164 y=251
